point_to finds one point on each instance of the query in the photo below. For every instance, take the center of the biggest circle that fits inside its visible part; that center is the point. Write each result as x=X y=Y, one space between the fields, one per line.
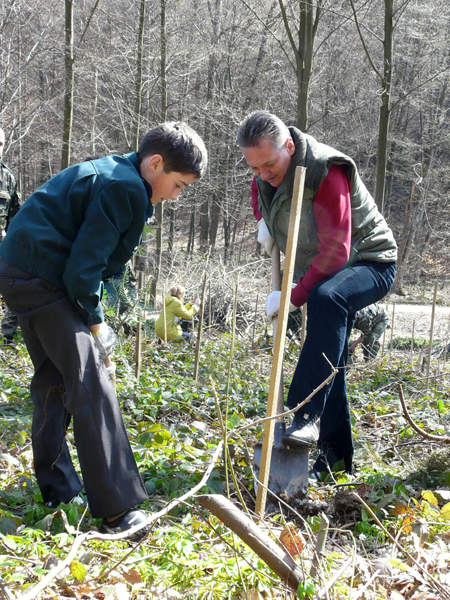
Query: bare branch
x=428 y=436
x=422 y=569
x=88 y=22
x=298 y=58
x=270 y=31
x=35 y=590
x=363 y=42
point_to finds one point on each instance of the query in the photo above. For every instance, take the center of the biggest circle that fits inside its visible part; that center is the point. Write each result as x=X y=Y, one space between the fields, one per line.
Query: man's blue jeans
x=331 y=309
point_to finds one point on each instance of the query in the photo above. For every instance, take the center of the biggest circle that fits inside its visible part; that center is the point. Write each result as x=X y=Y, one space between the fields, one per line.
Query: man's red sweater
x=332 y=212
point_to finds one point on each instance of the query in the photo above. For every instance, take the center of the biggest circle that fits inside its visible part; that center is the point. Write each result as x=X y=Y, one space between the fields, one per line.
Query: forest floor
x=389 y=524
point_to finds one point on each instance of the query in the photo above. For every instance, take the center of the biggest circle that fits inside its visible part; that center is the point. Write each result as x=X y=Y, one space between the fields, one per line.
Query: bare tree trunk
x=139 y=71
x=171 y=230
x=405 y=243
x=385 y=109
x=215 y=216
x=69 y=83
x=191 y=237
x=159 y=214
x=205 y=209
x=303 y=53
x=43 y=161
x=259 y=60
x=94 y=112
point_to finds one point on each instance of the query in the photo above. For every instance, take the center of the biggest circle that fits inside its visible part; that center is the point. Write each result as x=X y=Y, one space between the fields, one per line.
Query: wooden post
x=430 y=346
x=277 y=363
x=209 y=306
x=199 y=332
x=254 y=322
x=392 y=325
x=446 y=341
x=164 y=314
x=140 y=280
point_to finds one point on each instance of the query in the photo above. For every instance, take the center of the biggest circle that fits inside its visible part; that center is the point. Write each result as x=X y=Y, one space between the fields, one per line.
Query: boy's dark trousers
x=70 y=380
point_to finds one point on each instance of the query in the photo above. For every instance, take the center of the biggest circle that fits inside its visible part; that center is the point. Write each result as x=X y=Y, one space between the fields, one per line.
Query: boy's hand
x=105 y=339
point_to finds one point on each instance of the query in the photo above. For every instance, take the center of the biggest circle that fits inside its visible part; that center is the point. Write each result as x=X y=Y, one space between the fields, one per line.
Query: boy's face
x=165 y=186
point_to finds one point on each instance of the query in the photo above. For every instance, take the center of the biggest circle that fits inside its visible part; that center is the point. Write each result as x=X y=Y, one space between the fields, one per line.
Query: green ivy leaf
x=9 y=542
x=305 y=589
x=8 y=526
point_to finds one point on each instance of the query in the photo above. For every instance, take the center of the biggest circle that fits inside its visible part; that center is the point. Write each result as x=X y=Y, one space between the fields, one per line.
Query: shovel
x=277 y=468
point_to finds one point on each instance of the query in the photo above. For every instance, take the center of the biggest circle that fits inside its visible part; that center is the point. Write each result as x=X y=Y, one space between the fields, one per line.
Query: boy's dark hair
x=180 y=146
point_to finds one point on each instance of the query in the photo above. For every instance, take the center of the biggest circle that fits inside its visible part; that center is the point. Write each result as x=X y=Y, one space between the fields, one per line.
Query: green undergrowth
x=175 y=424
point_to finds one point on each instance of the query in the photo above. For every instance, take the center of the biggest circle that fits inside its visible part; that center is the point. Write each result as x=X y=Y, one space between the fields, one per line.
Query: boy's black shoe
x=303 y=432
x=127 y=521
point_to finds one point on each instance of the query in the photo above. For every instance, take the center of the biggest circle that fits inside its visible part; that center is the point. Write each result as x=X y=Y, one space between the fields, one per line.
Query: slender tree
x=159 y=213
x=68 y=86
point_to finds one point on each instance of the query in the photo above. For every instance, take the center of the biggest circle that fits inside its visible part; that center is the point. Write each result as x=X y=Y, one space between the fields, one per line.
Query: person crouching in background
x=175 y=310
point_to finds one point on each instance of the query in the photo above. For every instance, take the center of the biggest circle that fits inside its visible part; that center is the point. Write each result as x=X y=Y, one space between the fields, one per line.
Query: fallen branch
x=428 y=436
x=92 y=535
x=269 y=551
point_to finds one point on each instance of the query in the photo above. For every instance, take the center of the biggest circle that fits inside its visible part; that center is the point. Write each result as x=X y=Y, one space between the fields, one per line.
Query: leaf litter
x=173 y=426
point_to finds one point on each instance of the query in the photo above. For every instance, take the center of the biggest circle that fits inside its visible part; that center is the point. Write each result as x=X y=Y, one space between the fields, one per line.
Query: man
x=84 y=222
x=372 y=322
x=345 y=260
x=10 y=202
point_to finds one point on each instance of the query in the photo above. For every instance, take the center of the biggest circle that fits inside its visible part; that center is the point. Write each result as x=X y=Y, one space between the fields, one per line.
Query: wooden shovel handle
x=278 y=350
x=276 y=286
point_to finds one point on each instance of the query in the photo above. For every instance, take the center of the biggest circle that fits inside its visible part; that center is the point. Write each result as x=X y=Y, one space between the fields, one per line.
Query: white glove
x=105 y=339
x=264 y=237
x=273 y=305
x=111 y=370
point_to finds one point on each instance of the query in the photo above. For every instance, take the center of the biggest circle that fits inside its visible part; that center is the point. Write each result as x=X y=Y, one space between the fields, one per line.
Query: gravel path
x=406 y=314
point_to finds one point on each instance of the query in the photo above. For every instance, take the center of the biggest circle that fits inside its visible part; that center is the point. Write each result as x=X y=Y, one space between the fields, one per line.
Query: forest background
x=369 y=78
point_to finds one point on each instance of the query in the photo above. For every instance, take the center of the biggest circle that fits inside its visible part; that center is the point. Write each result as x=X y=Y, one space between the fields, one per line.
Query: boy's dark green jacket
x=82 y=225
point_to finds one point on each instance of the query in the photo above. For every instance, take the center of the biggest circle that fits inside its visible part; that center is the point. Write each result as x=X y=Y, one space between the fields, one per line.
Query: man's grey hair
x=260 y=124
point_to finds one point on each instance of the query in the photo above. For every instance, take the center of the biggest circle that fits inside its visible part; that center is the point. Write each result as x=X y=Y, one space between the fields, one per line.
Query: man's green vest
x=371 y=237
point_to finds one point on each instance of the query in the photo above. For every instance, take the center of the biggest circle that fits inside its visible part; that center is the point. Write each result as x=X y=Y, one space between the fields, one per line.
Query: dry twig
x=91 y=535
x=428 y=436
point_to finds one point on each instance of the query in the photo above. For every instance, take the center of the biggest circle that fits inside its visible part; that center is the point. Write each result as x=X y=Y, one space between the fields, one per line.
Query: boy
x=83 y=224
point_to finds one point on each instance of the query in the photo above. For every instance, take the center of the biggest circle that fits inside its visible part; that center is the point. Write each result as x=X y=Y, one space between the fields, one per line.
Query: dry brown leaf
x=292 y=540
x=68 y=591
x=132 y=576
x=401 y=509
x=407 y=524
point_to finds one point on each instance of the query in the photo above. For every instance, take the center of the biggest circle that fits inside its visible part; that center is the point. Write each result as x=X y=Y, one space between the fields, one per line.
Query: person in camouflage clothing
x=372 y=322
x=10 y=202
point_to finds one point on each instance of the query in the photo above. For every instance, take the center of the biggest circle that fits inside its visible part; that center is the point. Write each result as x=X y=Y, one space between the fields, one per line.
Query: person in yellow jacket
x=175 y=310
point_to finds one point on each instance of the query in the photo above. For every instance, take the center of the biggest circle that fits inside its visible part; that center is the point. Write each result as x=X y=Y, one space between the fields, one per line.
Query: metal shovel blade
x=288 y=471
